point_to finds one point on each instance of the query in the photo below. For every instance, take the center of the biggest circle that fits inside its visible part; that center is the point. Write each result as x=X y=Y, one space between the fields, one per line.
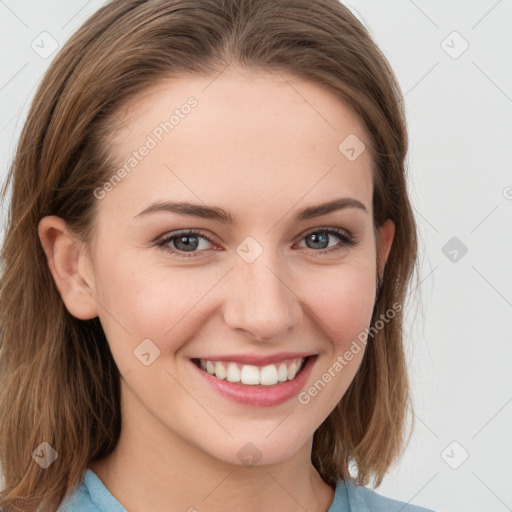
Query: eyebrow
x=219 y=214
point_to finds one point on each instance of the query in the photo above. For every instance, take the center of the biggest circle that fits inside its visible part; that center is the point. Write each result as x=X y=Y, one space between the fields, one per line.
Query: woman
x=210 y=243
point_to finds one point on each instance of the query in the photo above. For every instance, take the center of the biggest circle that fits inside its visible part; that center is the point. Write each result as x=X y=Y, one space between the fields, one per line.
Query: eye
x=320 y=236
x=185 y=243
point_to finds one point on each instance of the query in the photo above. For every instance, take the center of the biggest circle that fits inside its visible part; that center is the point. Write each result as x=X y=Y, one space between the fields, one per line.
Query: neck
x=164 y=472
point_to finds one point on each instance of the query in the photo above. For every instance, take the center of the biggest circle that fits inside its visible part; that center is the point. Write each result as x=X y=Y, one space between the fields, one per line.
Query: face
x=259 y=297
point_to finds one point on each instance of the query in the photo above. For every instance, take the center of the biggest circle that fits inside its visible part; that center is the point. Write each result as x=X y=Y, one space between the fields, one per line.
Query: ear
x=386 y=233
x=70 y=267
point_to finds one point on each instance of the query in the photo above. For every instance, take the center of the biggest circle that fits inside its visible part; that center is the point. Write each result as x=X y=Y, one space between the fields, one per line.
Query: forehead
x=259 y=139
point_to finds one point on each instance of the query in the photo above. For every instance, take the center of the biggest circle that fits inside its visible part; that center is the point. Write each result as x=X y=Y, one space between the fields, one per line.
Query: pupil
x=318 y=239
x=187 y=245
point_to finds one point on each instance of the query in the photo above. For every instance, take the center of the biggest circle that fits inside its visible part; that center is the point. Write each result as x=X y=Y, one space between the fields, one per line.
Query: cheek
x=342 y=301
x=162 y=304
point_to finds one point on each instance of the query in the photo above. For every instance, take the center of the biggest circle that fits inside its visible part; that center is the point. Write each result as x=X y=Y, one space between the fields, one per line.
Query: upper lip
x=257 y=360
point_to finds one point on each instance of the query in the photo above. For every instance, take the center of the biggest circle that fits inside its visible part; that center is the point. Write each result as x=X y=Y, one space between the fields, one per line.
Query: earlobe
x=67 y=264
x=385 y=240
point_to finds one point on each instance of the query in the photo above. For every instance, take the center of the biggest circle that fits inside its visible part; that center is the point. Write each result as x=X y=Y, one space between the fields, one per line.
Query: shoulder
x=90 y=495
x=78 y=500
x=356 y=498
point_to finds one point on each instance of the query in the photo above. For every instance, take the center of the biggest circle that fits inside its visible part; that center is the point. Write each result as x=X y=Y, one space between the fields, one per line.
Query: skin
x=258 y=148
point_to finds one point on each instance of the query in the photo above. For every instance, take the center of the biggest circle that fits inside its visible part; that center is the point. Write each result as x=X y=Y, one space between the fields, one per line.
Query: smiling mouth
x=252 y=375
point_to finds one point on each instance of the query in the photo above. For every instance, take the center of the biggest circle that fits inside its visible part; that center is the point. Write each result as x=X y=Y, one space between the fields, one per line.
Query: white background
x=459 y=114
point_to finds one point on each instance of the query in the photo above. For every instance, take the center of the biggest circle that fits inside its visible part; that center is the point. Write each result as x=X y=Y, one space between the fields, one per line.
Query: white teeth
x=233 y=374
x=268 y=375
x=292 y=370
x=210 y=367
x=220 y=370
x=252 y=375
x=282 y=373
x=249 y=374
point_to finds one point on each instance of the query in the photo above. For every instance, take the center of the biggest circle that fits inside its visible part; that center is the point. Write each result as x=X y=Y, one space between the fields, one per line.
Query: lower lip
x=261 y=396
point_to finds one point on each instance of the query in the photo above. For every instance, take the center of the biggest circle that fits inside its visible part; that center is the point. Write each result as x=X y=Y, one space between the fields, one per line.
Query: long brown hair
x=58 y=381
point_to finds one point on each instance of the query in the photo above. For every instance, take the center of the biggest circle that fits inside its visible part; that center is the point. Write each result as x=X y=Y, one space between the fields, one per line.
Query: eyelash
x=347 y=241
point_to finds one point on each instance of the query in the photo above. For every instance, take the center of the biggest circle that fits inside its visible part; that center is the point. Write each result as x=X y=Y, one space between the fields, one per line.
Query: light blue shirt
x=92 y=496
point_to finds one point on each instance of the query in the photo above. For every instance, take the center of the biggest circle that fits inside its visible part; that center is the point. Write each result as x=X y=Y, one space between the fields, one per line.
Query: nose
x=261 y=303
